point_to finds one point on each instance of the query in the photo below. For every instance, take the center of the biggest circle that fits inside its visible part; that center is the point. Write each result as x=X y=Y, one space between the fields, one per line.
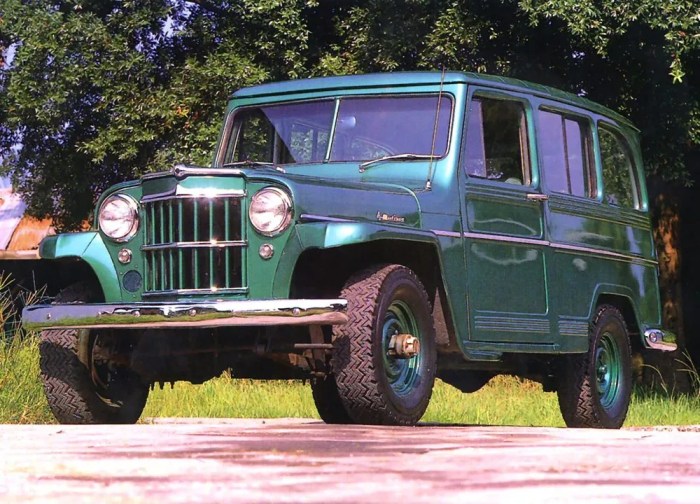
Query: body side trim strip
x=545 y=243
x=322 y=218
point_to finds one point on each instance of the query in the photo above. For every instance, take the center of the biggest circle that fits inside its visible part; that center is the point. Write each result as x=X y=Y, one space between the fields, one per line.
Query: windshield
x=365 y=128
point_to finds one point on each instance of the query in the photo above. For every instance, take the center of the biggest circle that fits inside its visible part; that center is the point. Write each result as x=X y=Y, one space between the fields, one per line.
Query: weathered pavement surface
x=307 y=461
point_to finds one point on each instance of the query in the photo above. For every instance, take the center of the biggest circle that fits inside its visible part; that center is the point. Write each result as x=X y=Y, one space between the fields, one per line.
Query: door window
x=565 y=147
x=497 y=143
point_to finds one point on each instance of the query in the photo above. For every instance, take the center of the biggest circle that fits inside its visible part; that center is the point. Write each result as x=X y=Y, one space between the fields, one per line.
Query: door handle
x=537 y=197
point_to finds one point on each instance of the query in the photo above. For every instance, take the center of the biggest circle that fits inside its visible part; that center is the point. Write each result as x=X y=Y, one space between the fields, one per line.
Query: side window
x=619 y=181
x=254 y=137
x=496 y=142
x=564 y=144
x=307 y=144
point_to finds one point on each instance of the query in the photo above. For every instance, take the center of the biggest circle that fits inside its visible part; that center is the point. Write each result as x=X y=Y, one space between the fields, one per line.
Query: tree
x=640 y=58
x=119 y=88
x=102 y=91
x=648 y=55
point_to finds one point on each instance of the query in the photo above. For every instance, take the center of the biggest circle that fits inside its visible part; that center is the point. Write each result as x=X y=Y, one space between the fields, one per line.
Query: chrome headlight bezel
x=270 y=211
x=123 y=226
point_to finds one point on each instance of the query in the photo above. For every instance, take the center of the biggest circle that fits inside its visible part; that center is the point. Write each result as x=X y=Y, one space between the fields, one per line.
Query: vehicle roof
x=405 y=79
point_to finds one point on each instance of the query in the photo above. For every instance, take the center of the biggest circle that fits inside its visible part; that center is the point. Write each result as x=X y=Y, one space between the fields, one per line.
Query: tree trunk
x=668 y=369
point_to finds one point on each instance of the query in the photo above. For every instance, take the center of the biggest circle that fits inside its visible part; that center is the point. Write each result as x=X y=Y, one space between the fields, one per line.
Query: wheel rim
x=403 y=374
x=105 y=374
x=608 y=371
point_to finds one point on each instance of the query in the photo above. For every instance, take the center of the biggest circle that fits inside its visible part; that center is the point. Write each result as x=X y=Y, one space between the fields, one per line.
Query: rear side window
x=619 y=180
x=565 y=151
x=497 y=143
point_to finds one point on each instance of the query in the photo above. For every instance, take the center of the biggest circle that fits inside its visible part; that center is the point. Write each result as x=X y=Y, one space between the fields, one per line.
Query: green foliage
x=103 y=91
x=504 y=401
x=601 y=24
x=21 y=394
x=100 y=91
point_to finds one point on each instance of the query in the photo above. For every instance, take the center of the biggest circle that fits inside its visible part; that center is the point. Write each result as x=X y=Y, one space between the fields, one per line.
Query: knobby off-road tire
x=80 y=394
x=594 y=388
x=374 y=386
x=328 y=403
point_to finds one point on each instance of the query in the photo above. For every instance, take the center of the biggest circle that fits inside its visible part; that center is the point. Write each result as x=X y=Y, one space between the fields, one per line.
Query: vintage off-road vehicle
x=369 y=233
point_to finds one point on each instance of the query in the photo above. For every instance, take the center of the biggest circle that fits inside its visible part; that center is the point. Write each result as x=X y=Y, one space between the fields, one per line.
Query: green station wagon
x=369 y=234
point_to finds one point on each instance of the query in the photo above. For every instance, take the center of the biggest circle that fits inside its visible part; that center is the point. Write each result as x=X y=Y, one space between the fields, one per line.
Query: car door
x=504 y=231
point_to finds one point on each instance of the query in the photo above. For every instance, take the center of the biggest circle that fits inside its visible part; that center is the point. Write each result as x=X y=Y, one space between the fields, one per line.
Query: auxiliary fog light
x=266 y=251
x=124 y=256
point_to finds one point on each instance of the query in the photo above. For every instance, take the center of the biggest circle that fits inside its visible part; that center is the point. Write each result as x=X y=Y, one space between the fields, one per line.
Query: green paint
x=521 y=273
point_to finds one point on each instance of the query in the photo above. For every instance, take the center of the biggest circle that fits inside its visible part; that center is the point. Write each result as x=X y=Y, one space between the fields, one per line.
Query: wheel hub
x=607 y=371
x=403 y=346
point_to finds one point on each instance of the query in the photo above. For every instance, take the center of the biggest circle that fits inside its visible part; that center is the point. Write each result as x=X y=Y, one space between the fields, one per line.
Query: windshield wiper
x=248 y=163
x=406 y=156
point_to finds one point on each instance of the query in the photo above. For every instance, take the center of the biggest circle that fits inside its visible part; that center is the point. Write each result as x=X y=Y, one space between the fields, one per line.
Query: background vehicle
x=370 y=232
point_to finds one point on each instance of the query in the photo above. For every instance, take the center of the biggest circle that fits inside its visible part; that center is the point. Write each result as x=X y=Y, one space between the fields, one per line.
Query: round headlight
x=119 y=217
x=270 y=211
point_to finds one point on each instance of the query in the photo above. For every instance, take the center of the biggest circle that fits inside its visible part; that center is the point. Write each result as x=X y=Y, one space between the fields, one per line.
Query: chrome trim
x=536 y=197
x=176 y=195
x=184 y=192
x=212 y=291
x=133 y=208
x=181 y=170
x=203 y=315
x=545 y=243
x=197 y=244
x=289 y=210
x=322 y=218
x=450 y=234
x=508 y=239
x=607 y=253
x=658 y=339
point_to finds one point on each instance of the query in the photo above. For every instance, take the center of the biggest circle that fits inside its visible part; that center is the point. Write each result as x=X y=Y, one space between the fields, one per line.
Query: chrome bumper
x=656 y=339
x=183 y=315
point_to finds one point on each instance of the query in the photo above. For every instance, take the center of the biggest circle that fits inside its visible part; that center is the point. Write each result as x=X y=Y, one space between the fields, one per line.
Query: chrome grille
x=193 y=244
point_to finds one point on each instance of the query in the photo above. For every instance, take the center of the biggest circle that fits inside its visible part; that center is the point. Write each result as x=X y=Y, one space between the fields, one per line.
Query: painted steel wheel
x=82 y=384
x=608 y=369
x=384 y=358
x=595 y=388
x=402 y=374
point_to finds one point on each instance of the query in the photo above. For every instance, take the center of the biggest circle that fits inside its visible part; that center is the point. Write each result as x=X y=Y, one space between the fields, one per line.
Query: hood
x=330 y=199
x=314 y=198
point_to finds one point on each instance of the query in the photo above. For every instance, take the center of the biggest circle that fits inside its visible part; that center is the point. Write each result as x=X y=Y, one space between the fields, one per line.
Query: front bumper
x=184 y=315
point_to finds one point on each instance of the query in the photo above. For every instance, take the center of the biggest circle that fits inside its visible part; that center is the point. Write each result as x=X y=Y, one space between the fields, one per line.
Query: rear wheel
x=595 y=388
x=385 y=357
x=84 y=380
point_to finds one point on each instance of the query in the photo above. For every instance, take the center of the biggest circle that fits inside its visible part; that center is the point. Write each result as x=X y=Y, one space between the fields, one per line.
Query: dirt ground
x=308 y=461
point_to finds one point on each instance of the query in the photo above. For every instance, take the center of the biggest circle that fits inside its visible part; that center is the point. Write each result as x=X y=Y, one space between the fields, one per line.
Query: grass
x=21 y=395
x=504 y=401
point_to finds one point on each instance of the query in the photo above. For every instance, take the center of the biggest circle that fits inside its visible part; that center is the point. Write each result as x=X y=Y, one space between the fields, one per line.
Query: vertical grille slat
x=193 y=245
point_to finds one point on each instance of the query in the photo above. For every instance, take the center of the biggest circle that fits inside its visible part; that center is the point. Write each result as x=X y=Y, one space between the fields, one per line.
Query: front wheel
x=385 y=357
x=595 y=388
x=85 y=373
x=324 y=391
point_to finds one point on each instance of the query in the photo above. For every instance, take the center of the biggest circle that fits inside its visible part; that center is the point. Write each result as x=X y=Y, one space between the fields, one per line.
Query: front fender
x=338 y=234
x=326 y=235
x=90 y=248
